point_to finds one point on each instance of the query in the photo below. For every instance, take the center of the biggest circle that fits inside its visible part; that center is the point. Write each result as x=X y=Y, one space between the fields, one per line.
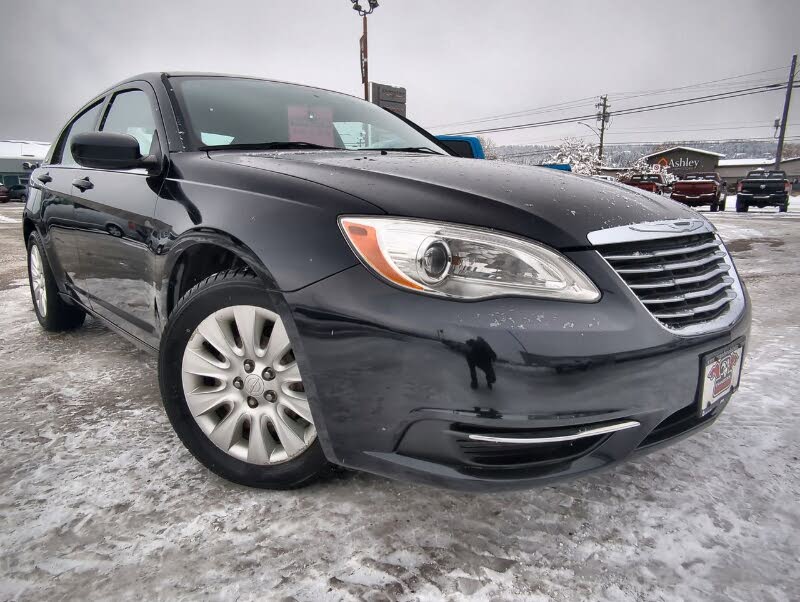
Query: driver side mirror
x=107 y=150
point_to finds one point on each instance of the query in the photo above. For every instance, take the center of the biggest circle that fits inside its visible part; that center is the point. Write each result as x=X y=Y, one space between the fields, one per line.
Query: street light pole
x=363 y=12
x=365 y=60
x=596 y=133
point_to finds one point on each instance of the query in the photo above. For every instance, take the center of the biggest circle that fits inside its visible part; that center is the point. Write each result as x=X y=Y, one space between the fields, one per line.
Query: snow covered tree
x=639 y=166
x=489 y=147
x=580 y=155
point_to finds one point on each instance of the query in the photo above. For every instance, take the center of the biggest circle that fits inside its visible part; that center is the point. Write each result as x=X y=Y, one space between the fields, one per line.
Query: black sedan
x=324 y=283
x=18 y=192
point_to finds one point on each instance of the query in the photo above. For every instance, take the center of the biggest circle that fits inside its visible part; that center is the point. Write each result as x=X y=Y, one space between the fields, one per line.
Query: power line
x=634 y=110
x=713 y=81
x=708 y=129
x=554 y=108
x=637 y=94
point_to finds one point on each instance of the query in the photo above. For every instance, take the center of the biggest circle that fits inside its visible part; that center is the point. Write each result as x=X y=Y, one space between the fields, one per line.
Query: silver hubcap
x=243 y=386
x=37 y=281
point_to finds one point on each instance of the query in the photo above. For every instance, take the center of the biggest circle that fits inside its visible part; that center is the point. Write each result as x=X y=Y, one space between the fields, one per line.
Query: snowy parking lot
x=99 y=500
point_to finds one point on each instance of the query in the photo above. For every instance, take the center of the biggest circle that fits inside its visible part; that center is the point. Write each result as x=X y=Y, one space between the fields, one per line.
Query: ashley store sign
x=679 y=162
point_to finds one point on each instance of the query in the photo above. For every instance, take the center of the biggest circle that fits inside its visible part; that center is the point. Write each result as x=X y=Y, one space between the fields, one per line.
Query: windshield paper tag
x=311 y=124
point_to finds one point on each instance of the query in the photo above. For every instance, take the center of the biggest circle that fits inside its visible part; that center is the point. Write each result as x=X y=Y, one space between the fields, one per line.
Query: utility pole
x=786 y=102
x=603 y=116
x=363 y=12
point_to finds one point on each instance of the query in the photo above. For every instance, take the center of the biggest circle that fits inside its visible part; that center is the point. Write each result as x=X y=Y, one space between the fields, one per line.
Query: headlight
x=463 y=262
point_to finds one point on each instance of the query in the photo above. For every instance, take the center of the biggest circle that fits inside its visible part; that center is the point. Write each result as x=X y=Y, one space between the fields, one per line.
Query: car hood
x=552 y=206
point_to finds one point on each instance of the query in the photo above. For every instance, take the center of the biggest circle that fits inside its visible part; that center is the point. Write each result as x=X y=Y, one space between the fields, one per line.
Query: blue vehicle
x=463 y=146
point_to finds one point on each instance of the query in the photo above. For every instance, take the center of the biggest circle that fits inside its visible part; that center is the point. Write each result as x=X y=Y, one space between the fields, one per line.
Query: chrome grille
x=683 y=280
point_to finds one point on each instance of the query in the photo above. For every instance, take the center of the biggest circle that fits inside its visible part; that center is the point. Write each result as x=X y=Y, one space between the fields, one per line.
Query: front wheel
x=232 y=387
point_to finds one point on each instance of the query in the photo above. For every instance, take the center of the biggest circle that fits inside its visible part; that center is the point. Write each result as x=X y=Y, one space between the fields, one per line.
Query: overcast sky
x=459 y=59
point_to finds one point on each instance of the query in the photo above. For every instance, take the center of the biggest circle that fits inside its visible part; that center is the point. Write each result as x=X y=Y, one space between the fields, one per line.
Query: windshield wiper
x=269 y=146
x=407 y=149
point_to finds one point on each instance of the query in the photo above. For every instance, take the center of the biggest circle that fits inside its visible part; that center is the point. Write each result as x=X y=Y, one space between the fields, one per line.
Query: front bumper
x=393 y=393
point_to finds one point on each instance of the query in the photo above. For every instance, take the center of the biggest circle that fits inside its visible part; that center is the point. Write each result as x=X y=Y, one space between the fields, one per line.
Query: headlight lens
x=463 y=262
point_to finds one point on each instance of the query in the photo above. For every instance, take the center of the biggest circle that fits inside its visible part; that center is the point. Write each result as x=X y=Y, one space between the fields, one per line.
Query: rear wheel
x=232 y=387
x=714 y=207
x=783 y=208
x=741 y=206
x=52 y=311
x=722 y=204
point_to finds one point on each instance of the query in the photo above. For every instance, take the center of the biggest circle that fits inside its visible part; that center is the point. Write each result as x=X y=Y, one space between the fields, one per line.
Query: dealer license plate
x=721 y=371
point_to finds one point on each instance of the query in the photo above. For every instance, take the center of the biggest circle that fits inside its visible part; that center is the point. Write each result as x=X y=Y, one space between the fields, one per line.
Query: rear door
x=54 y=179
x=117 y=208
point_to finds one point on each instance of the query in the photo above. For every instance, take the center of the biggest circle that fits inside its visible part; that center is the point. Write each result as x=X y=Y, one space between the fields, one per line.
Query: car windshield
x=229 y=112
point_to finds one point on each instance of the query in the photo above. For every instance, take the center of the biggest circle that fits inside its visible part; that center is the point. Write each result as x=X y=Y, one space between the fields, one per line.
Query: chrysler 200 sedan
x=323 y=283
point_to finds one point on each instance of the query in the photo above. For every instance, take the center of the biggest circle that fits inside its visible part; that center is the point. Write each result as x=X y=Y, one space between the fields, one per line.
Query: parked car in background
x=651 y=182
x=373 y=301
x=700 y=189
x=763 y=188
x=4 y=194
x=469 y=147
x=18 y=192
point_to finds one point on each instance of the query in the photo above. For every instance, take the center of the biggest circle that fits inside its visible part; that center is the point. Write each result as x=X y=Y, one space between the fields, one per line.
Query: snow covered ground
x=98 y=499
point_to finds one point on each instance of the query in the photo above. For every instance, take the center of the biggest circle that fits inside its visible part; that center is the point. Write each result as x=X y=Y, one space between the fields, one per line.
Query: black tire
x=58 y=314
x=221 y=290
x=23 y=198
x=741 y=206
x=783 y=208
x=722 y=205
x=714 y=207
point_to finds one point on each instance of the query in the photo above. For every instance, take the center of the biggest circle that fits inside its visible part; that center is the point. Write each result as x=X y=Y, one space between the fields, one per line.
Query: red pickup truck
x=651 y=182
x=696 y=189
x=4 y=194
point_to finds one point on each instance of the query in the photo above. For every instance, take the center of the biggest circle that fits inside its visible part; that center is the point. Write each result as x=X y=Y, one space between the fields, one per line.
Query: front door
x=117 y=208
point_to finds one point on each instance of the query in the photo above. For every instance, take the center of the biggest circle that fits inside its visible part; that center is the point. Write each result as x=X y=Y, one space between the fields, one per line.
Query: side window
x=130 y=113
x=84 y=123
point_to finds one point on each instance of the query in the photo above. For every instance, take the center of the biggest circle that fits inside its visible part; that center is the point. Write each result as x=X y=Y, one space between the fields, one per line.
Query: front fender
x=286 y=225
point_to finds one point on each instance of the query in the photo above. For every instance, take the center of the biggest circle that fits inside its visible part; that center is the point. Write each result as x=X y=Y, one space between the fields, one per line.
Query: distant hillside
x=623 y=155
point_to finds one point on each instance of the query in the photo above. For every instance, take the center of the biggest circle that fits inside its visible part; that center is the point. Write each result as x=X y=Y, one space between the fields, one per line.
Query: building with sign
x=681 y=160
x=14 y=154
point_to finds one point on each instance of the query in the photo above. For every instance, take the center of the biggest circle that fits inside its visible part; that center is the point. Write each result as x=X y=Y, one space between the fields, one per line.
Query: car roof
x=156 y=77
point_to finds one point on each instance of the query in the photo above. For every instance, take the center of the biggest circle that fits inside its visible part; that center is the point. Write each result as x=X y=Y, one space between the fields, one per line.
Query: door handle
x=44 y=178
x=83 y=184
